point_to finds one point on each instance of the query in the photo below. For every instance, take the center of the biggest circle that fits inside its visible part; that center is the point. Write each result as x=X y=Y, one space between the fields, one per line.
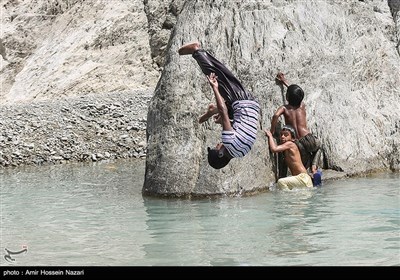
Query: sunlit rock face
x=344 y=54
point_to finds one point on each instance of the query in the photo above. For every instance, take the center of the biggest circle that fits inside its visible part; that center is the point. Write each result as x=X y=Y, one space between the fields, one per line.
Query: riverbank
x=77 y=129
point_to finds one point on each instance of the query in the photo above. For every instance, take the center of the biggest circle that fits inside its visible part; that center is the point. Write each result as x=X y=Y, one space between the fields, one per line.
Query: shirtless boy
x=300 y=177
x=295 y=115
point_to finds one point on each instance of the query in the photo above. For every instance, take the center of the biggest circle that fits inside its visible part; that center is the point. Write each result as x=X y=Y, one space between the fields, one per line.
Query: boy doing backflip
x=236 y=109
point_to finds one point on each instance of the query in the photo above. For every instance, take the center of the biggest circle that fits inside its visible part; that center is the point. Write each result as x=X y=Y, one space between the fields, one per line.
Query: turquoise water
x=95 y=215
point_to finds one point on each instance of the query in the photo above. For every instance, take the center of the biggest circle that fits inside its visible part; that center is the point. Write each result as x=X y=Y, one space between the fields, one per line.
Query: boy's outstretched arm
x=281 y=77
x=222 y=110
x=271 y=142
x=275 y=118
x=211 y=111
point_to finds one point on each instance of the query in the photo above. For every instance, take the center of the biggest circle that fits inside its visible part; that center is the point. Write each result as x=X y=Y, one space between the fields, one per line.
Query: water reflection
x=172 y=224
x=289 y=236
x=230 y=231
x=74 y=213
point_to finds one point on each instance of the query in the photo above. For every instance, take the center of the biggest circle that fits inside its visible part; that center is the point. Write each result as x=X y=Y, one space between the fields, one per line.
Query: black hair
x=294 y=95
x=290 y=129
x=215 y=161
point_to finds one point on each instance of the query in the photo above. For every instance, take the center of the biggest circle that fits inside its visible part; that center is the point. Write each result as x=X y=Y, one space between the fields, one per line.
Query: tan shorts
x=303 y=180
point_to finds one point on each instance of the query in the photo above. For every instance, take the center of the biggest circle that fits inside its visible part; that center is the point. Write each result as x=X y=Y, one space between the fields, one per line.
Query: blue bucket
x=317 y=179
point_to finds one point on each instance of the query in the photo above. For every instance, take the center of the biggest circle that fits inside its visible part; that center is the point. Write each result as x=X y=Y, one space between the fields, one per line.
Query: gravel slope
x=88 y=128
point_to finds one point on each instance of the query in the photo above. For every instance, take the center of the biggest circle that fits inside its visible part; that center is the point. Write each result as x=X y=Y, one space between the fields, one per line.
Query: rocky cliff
x=76 y=77
x=58 y=48
x=344 y=54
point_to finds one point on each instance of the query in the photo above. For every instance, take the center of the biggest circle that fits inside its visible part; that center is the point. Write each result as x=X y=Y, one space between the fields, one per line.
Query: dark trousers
x=229 y=87
x=310 y=149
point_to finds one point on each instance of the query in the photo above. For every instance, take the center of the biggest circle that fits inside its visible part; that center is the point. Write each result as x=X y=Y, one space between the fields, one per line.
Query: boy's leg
x=229 y=86
x=304 y=154
x=316 y=158
x=189 y=48
x=286 y=183
x=298 y=181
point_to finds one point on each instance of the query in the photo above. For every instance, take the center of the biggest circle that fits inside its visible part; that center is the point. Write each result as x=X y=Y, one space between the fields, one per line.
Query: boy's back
x=296 y=117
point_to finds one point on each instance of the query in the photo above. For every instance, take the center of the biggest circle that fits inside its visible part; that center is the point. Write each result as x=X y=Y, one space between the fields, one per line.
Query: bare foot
x=211 y=111
x=189 y=48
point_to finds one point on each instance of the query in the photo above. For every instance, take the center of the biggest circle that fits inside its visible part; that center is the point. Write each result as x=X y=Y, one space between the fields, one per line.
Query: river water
x=95 y=215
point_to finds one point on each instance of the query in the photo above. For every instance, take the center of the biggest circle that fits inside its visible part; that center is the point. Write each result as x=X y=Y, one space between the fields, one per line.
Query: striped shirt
x=239 y=141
